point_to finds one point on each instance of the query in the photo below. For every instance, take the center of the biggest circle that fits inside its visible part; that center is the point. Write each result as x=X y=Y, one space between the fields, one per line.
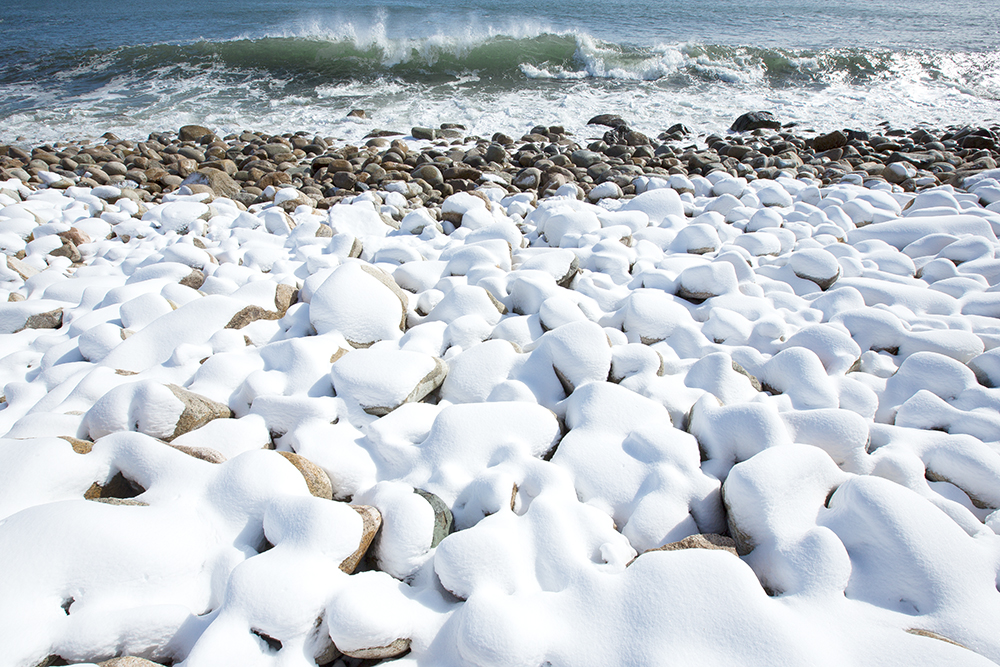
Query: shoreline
x=430 y=164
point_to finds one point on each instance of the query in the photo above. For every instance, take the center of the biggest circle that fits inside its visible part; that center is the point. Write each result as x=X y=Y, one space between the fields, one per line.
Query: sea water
x=76 y=70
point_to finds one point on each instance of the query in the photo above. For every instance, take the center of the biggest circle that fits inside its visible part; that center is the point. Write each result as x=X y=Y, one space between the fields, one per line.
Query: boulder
x=380 y=380
x=192 y=132
x=755 y=120
x=607 y=119
x=361 y=302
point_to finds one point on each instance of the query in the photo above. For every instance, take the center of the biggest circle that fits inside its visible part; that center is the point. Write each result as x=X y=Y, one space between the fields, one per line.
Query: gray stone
x=584 y=158
x=444 y=522
x=49 y=320
x=423 y=133
x=755 y=120
x=607 y=119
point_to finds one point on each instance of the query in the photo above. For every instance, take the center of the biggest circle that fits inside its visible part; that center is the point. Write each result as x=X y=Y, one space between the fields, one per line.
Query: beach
x=498 y=334
x=438 y=399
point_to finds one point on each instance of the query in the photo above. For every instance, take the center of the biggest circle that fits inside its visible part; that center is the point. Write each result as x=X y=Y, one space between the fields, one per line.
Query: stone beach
x=323 y=170
x=553 y=400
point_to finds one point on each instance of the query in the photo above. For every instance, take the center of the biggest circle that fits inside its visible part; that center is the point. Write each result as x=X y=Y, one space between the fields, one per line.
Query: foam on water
x=307 y=72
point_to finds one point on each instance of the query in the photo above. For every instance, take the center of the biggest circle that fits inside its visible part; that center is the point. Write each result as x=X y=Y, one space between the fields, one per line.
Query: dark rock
x=383 y=133
x=607 y=119
x=755 y=120
x=462 y=172
x=835 y=139
x=357 y=113
x=624 y=136
x=423 y=133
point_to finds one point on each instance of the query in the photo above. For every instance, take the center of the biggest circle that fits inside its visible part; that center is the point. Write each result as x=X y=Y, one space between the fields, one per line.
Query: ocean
x=77 y=70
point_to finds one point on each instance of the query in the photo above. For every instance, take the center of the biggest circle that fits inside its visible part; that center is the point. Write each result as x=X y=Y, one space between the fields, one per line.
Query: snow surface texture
x=809 y=370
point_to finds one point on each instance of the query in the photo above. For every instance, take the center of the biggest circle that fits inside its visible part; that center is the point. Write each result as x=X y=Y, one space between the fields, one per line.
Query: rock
x=357 y=113
x=709 y=541
x=275 y=178
x=21 y=268
x=117 y=487
x=128 y=661
x=529 y=177
x=835 y=139
x=372 y=521
x=219 y=181
x=316 y=478
x=48 y=320
x=192 y=132
x=127 y=502
x=76 y=236
x=622 y=135
x=251 y=314
x=393 y=650
x=607 y=119
x=203 y=453
x=444 y=522
x=496 y=153
x=423 y=133
x=429 y=173
x=346 y=180
x=285 y=296
x=380 y=380
x=584 y=158
x=361 y=302
x=460 y=171
x=679 y=128
x=816 y=265
x=933 y=635
x=754 y=120
x=79 y=446
x=194 y=280
x=67 y=249
x=198 y=411
x=606 y=190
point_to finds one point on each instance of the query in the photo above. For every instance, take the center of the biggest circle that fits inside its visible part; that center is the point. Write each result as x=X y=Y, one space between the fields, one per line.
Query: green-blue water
x=80 y=69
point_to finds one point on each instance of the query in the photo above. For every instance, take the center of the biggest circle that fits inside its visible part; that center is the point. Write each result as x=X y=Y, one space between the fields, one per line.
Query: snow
x=533 y=397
